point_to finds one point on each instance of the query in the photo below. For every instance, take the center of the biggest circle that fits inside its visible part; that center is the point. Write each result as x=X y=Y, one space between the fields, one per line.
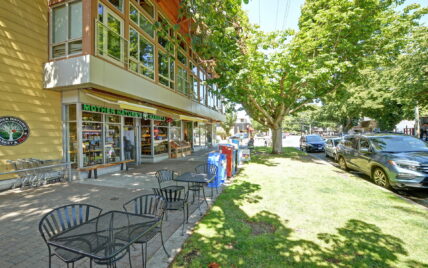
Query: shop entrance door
x=130 y=139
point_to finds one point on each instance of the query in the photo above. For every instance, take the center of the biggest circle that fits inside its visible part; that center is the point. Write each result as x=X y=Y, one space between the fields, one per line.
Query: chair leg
x=142 y=255
x=50 y=257
x=129 y=255
x=163 y=244
x=205 y=198
x=184 y=220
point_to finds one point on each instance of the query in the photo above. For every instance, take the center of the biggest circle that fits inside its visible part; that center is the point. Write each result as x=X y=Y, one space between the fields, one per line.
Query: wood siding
x=23 y=51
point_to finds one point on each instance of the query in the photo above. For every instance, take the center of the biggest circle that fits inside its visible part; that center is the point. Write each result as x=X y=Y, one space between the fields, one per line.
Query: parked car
x=330 y=147
x=312 y=143
x=392 y=160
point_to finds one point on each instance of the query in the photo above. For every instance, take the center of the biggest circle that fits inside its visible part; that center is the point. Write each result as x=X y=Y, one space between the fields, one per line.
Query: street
x=418 y=196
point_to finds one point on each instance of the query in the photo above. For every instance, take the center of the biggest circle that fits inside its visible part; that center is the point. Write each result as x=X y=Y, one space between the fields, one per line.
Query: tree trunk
x=276 y=140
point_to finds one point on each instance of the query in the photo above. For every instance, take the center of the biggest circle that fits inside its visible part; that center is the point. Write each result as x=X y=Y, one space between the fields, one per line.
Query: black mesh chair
x=166 y=176
x=149 y=205
x=61 y=219
x=209 y=169
x=175 y=200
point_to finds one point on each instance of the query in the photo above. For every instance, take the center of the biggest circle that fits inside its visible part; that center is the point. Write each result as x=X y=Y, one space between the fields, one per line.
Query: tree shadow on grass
x=264 y=156
x=229 y=237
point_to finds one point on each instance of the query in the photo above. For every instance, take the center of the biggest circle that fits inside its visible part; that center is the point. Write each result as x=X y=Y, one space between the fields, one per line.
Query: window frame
x=139 y=63
x=68 y=40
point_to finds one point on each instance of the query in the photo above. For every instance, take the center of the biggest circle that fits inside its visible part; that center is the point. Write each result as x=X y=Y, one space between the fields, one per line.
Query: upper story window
x=165 y=34
x=141 y=54
x=117 y=4
x=109 y=35
x=140 y=19
x=166 y=69
x=148 y=7
x=66 y=29
x=182 y=80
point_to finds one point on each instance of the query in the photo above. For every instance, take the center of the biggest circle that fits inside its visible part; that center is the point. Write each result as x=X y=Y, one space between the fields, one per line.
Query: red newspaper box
x=228 y=151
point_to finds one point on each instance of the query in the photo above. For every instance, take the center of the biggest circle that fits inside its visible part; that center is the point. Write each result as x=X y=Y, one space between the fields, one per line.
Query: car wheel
x=342 y=164
x=380 y=178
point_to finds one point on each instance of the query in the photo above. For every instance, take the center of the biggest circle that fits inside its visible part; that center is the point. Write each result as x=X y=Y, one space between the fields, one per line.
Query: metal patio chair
x=175 y=200
x=61 y=219
x=149 y=205
x=166 y=176
x=209 y=169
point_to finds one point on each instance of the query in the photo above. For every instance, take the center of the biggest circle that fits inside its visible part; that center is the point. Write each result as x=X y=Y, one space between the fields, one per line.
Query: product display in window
x=92 y=143
x=160 y=140
x=112 y=143
x=146 y=141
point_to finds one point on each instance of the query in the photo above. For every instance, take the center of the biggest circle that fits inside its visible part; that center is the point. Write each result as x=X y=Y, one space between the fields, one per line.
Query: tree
x=229 y=123
x=276 y=74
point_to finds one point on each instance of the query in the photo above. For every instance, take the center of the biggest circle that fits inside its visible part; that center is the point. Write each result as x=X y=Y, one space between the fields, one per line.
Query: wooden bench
x=95 y=167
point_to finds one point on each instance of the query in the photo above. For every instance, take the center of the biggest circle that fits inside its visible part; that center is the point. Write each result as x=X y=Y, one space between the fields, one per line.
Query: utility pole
x=417 y=123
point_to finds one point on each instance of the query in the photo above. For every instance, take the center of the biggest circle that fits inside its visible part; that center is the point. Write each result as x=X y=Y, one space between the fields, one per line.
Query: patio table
x=202 y=178
x=98 y=238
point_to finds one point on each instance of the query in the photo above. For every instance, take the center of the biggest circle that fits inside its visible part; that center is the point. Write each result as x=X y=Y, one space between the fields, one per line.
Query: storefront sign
x=13 y=131
x=99 y=109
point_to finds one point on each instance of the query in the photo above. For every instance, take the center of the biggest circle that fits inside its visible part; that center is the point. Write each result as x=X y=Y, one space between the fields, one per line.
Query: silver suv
x=391 y=160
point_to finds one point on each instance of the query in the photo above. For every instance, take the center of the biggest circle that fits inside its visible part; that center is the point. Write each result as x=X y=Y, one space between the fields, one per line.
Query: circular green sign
x=13 y=131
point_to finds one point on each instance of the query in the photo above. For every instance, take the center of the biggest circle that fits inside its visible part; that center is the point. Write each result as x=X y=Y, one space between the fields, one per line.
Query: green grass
x=294 y=211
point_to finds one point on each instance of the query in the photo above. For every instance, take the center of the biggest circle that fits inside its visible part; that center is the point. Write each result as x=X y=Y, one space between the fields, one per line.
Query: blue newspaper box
x=219 y=160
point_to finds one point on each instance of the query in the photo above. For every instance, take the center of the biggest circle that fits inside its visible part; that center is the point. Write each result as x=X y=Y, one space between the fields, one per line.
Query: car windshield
x=397 y=144
x=336 y=142
x=314 y=139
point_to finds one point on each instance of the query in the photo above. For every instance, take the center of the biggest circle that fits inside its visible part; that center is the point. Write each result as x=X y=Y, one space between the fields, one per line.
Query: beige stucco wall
x=23 y=51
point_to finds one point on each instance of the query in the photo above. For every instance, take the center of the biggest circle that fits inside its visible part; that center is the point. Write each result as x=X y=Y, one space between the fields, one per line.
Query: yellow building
x=97 y=83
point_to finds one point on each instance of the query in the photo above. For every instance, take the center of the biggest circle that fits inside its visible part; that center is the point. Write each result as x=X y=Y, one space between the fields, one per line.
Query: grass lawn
x=295 y=211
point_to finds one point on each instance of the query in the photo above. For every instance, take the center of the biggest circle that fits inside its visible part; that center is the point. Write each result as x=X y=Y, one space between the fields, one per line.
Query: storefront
x=97 y=134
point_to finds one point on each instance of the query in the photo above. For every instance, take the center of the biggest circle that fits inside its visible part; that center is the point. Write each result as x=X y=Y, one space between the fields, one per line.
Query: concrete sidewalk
x=20 y=212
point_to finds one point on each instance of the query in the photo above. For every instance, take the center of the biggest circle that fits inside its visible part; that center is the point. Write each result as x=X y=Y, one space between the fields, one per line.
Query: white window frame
x=67 y=41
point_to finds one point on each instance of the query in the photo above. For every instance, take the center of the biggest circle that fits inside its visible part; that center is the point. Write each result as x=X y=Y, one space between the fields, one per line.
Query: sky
x=274 y=15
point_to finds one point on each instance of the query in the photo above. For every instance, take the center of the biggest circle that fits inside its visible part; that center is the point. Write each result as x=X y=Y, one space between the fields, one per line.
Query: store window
x=196 y=135
x=203 y=134
x=71 y=135
x=141 y=20
x=166 y=70
x=112 y=144
x=160 y=137
x=175 y=130
x=141 y=54
x=66 y=29
x=92 y=138
x=109 y=35
x=146 y=137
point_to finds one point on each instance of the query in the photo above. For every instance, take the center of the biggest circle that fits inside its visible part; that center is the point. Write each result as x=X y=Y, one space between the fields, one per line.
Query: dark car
x=312 y=143
x=391 y=160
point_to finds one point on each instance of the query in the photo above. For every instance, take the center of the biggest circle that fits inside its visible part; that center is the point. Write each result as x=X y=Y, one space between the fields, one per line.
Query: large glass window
x=110 y=41
x=146 y=138
x=166 y=70
x=112 y=142
x=141 y=54
x=160 y=132
x=175 y=130
x=71 y=134
x=148 y=7
x=117 y=4
x=140 y=19
x=182 y=80
x=92 y=139
x=66 y=30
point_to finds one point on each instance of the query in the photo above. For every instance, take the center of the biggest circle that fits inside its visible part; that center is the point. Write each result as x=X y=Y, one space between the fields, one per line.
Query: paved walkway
x=20 y=212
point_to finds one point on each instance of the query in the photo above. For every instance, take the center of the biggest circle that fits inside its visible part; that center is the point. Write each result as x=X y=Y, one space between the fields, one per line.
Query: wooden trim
x=88 y=32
